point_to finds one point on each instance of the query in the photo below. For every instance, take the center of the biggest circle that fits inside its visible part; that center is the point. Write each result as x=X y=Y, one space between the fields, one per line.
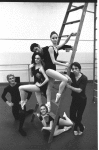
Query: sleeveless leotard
x=47 y=60
x=38 y=77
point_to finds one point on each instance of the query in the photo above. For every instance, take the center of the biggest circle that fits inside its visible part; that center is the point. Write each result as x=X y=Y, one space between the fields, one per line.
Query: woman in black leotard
x=48 y=121
x=50 y=66
x=40 y=81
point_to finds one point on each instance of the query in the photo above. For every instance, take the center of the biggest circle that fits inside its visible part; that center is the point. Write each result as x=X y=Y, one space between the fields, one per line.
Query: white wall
x=33 y=22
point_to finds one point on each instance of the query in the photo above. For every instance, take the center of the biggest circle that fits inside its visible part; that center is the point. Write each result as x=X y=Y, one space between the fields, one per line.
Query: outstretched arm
x=68 y=38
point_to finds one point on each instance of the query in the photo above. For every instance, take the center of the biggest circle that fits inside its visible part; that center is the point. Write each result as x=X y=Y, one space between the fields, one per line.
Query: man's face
x=37 y=49
x=11 y=80
x=75 y=70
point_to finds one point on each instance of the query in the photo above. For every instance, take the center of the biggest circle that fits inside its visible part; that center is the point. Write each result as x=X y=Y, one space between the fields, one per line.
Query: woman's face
x=37 y=59
x=54 y=38
x=43 y=110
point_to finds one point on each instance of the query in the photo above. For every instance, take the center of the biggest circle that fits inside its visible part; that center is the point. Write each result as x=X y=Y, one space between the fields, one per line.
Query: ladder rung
x=90 y=11
x=71 y=22
x=80 y=7
x=53 y=101
x=52 y=115
x=67 y=35
x=87 y=10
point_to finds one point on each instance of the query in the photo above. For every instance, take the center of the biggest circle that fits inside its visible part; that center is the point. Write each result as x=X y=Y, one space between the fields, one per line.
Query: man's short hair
x=76 y=64
x=33 y=45
x=9 y=75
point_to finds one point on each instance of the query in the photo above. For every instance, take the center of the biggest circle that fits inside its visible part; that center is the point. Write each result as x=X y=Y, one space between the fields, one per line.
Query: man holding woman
x=49 y=58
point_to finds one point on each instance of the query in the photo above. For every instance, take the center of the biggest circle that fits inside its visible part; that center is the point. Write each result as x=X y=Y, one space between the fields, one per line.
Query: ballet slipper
x=64 y=115
x=48 y=104
x=58 y=95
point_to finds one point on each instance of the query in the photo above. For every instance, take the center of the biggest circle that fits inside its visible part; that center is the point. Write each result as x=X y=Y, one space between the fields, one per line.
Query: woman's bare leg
x=66 y=121
x=23 y=89
x=48 y=93
x=29 y=87
x=39 y=98
x=59 y=131
x=56 y=75
x=49 y=89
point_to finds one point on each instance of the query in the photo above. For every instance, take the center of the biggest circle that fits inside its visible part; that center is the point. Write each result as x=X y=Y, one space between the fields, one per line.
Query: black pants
x=76 y=111
x=19 y=114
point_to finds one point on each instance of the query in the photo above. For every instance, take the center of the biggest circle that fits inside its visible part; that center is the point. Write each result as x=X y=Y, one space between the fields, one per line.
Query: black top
x=50 y=119
x=47 y=59
x=38 y=76
x=14 y=92
x=81 y=83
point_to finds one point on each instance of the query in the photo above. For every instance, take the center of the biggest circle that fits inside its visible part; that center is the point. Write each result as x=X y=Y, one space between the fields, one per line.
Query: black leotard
x=50 y=119
x=47 y=60
x=38 y=77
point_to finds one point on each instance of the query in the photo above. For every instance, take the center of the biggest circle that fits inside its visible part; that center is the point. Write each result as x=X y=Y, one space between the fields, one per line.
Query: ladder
x=69 y=10
x=95 y=60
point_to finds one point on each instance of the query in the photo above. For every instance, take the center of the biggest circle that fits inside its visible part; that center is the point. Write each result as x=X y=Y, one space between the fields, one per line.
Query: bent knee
x=65 y=79
x=20 y=87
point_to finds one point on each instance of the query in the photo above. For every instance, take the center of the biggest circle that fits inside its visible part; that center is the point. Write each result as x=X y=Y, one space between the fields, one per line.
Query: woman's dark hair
x=34 y=54
x=53 y=32
x=41 y=56
x=33 y=45
x=76 y=64
x=45 y=107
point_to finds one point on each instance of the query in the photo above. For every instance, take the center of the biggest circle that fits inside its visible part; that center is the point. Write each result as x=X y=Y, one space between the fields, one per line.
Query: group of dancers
x=43 y=69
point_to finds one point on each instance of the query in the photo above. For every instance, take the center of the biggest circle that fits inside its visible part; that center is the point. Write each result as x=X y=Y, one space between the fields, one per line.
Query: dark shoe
x=81 y=132
x=22 y=132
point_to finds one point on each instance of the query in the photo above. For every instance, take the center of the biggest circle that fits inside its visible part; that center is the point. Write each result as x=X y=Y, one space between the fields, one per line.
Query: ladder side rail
x=77 y=36
x=56 y=118
x=94 y=49
x=71 y=60
x=63 y=25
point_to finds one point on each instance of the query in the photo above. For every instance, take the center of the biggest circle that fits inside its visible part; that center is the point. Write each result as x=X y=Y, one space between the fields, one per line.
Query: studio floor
x=10 y=139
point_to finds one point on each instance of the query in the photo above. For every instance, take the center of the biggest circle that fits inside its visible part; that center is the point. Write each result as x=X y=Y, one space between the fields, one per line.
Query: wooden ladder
x=69 y=10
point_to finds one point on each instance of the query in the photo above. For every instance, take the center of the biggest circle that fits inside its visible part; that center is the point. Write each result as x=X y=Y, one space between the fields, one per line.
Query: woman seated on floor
x=48 y=121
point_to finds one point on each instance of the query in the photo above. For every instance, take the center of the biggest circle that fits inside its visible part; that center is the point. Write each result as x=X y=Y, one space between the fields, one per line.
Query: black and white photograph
x=48 y=75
